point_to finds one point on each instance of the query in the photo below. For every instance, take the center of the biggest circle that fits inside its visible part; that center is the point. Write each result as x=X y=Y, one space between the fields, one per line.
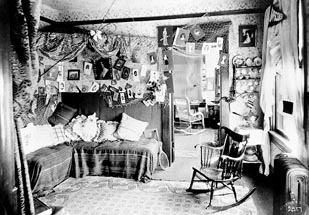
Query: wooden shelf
x=244 y=79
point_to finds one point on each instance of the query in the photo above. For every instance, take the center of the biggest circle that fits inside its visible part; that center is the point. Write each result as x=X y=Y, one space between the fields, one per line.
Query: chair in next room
x=185 y=116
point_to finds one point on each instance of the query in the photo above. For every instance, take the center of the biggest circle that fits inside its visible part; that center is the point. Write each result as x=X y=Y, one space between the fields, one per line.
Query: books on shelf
x=41 y=208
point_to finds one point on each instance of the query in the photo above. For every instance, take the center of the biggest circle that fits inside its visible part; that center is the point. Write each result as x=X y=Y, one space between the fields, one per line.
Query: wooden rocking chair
x=221 y=163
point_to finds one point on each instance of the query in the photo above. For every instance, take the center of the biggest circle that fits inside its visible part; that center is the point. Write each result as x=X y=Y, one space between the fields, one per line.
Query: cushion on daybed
x=130 y=128
x=35 y=137
x=62 y=114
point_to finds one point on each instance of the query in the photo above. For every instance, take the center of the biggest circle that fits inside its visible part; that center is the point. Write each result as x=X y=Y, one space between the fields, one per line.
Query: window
x=281 y=120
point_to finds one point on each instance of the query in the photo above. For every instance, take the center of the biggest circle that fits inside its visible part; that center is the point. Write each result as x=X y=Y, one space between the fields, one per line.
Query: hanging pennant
x=220 y=43
x=139 y=91
x=197 y=32
x=206 y=48
x=165 y=36
x=94 y=87
x=87 y=68
x=129 y=93
x=223 y=60
x=152 y=58
x=168 y=63
x=60 y=76
x=122 y=98
x=144 y=70
x=181 y=37
x=190 y=48
x=136 y=75
x=84 y=88
x=61 y=86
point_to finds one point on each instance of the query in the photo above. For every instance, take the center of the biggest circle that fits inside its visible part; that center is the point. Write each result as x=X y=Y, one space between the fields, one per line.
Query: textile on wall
x=280 y=55
x=25 y=17
x=64 y=46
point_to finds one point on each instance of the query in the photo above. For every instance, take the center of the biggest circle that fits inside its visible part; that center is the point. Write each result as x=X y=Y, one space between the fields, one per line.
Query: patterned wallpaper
x=95 y=10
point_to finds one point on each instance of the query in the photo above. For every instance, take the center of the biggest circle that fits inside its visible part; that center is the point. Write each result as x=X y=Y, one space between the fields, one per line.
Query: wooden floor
x=181 y=170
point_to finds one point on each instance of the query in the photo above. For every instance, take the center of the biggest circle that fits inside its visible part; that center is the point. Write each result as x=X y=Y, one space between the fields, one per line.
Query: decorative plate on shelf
x=257 y=61
x=248 y=61
x=238 y=60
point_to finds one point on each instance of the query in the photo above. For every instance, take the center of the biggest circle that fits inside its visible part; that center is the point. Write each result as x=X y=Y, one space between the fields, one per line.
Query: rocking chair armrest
x=210 y=145
x=237 y=159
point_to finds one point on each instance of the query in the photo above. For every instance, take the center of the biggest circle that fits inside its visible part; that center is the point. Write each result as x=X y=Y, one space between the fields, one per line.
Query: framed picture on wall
x=119 y=64
x=73 y=74
x=247 y=35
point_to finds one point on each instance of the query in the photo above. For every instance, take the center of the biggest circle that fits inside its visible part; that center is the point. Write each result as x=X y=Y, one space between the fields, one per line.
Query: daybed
x=49 y=166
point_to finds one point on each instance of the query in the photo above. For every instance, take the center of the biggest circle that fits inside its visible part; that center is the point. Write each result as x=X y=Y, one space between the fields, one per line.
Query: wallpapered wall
x=149 y=29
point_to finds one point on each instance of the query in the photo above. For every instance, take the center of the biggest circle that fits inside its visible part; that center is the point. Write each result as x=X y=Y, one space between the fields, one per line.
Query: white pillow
x=130 y=128
x=35 y=137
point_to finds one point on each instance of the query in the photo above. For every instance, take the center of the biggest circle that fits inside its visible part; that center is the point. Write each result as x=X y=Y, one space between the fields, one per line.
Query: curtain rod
x=154 y=18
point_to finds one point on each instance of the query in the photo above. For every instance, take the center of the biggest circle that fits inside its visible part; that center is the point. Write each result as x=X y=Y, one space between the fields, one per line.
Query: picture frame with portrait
x=119 y=64
x=247 y=35
x=73 y=74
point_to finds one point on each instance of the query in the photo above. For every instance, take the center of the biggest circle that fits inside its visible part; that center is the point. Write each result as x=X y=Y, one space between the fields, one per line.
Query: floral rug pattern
x=97 y=195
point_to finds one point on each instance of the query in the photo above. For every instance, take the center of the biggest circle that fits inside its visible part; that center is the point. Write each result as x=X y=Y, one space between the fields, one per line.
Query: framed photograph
x=102 y=69
x=119 y=64
x=73 y=74
x=247 y=35
x=51 y=73
x=125 y=73
x=87 y=68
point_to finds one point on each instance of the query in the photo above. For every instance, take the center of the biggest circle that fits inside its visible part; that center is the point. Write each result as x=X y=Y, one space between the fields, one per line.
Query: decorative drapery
x=64 y=46
x=25 y=17
x=280 y=55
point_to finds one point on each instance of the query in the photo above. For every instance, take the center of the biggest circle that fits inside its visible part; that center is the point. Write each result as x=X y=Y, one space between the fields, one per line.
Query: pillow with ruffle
x=130 y=128
x=86 y=127
x=69 y=133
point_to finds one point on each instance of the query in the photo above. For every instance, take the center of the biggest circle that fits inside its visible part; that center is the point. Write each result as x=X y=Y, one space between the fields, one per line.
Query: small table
x=256 y=139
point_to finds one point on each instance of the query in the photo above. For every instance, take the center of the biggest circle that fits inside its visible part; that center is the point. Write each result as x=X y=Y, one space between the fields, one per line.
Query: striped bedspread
x=126 y=159
x=49 y=166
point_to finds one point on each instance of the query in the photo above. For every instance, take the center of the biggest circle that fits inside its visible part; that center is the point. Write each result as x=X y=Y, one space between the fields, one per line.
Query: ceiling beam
x=154 y=18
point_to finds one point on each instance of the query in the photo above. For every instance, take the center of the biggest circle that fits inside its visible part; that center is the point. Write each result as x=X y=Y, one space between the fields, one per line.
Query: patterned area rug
x=96 y=195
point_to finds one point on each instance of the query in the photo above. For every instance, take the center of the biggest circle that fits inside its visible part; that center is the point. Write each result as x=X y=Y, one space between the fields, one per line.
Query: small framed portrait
x=119 y=64
x=247 y=35
x=73 y=74
x=125 y=73
x=87 y=68
x=152 y=57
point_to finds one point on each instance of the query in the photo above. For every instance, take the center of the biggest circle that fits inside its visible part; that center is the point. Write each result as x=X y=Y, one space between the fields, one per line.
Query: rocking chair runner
x=221 y=163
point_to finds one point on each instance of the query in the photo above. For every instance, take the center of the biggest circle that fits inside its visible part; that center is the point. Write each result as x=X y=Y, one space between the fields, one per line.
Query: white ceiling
x=80 y=10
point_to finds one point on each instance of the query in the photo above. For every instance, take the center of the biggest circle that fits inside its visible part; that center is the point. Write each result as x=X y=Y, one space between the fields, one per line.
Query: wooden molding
x=154 y=18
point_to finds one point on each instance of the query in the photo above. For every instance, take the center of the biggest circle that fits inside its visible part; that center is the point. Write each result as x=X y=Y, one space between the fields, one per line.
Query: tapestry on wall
x=24 y=21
